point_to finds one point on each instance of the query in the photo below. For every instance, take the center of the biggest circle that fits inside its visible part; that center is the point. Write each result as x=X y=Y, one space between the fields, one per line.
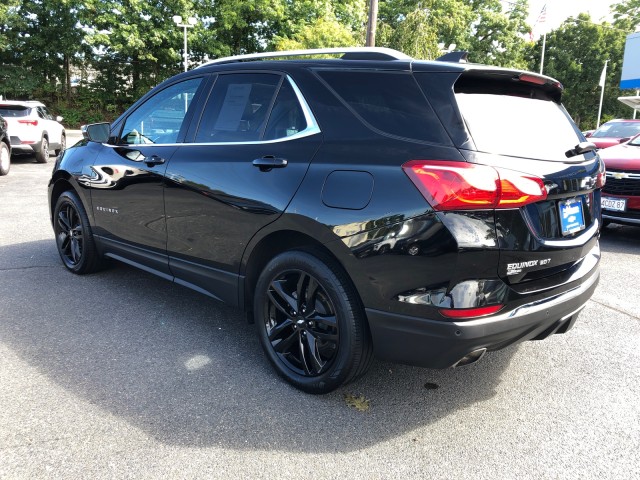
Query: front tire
x=5 y=159
x=74 y=237
x=310 y=322
x=43 y=155
x=63 y=145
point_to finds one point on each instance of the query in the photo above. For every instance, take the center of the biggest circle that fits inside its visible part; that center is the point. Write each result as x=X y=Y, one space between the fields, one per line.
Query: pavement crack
x=13 y=269
x=619 y=310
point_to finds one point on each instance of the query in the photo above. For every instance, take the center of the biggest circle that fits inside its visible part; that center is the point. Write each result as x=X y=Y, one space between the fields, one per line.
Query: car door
x=53 y=128
x=253 y=145
x=127 y=185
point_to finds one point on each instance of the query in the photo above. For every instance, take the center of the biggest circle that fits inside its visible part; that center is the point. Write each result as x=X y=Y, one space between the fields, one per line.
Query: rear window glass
x=519 y=126
x=389 y=102
x=14 y=111
x=617 y=130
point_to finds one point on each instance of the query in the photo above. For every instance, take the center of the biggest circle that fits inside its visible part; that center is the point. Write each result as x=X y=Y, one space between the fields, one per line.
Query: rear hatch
x=514 y=122
x=17 y=120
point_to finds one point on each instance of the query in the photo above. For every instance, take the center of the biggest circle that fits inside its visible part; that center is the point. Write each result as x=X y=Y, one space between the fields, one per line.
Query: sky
x=559 y=10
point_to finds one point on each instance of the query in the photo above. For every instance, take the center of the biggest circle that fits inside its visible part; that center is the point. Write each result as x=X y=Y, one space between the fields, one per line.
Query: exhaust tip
x=470 y=358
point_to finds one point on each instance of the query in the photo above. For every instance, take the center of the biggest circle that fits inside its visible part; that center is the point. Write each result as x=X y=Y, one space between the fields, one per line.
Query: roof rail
x=348 y=53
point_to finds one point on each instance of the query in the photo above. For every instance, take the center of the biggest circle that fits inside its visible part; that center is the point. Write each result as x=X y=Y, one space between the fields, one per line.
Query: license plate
x=616 y=204
x=571 y=216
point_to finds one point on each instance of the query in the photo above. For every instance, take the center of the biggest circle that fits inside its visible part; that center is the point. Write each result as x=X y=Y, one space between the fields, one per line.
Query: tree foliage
x=92 y=58
x=575 y=54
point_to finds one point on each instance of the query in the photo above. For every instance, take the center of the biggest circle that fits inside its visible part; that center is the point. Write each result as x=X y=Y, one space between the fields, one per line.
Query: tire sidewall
x=4 y=153
x=342 y=364
x=70 y=198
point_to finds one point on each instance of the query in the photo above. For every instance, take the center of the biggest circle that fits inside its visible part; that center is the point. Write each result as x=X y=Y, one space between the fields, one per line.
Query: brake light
x=468 y=186
x=470 y=312
x=29 y=122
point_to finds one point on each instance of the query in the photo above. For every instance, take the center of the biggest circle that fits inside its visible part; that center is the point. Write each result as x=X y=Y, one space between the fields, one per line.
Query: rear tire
x=74 y=237
x=43 y=155
x=5 y=159
x=310 y=322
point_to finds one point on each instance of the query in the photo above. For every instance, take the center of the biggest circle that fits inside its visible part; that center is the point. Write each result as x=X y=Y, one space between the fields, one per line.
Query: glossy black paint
x=211 y=215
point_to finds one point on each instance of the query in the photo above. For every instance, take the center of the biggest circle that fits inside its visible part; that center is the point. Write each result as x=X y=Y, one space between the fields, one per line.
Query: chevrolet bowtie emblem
x=619 y=175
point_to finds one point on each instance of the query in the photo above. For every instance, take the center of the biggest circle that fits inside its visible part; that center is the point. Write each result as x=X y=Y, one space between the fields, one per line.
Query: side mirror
x=588 y=134
x=96 y=132
x=59 y=118
x=626 y=139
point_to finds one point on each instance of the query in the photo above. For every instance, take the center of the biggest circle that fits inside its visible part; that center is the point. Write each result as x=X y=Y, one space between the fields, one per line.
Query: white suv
x=33 y=129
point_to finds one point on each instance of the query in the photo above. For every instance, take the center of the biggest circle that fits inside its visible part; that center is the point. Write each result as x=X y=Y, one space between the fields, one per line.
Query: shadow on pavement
x=189 y=371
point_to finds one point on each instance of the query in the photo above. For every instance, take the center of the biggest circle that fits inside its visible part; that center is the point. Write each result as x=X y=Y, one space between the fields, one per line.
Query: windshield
x=617 y=130
x=518 y=126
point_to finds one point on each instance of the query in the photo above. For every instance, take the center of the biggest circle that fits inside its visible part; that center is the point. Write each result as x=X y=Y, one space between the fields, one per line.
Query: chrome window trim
x=311 y=129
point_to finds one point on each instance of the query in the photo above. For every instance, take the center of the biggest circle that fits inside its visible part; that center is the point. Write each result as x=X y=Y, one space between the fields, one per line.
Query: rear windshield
x=617 y=130
x=519 y=126
x=14 y=111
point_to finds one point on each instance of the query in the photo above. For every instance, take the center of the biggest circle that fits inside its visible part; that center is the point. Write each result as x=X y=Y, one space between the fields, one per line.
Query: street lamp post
x=189 y=23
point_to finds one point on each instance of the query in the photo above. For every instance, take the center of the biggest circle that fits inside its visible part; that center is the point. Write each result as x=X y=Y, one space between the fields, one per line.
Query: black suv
x=5 y=148
x=364 y=204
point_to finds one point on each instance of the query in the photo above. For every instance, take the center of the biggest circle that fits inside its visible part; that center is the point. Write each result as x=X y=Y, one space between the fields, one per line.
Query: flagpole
x=603 y=79
x=544 y=44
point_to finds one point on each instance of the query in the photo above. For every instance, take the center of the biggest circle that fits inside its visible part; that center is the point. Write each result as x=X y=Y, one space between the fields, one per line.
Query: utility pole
x=371 y=26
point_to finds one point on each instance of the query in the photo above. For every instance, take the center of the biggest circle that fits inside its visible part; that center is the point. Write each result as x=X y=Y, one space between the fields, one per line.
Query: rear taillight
x=468 y=186
x=29 y=122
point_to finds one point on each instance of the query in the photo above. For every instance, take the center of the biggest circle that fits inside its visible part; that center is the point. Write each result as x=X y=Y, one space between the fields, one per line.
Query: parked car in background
x=621 y=193
x=5 y=148
x=32 y=129
x=370 y=203
x=614 y=132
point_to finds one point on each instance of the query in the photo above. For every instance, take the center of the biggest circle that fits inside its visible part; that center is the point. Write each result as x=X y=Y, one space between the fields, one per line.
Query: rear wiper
x=582 y=147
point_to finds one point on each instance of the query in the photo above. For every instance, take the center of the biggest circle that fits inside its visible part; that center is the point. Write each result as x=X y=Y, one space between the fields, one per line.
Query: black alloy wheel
x=43 y=155
x=73 y=235
x=310 y=322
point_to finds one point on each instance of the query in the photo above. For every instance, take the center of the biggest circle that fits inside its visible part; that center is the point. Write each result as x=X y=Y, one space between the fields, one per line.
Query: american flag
x=543 y=15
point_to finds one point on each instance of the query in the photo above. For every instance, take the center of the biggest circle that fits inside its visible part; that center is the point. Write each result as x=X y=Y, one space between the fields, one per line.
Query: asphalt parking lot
x=123 y=375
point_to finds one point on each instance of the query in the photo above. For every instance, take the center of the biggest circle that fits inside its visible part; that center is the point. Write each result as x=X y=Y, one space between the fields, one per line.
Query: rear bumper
x=437 y=344
x=18 y=146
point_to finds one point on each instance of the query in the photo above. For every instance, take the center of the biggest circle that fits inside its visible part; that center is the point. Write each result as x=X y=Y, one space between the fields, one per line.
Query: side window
x=237 y=108
x=390 y=102
x=46 y=114
x=160 y=118
x=287 y=117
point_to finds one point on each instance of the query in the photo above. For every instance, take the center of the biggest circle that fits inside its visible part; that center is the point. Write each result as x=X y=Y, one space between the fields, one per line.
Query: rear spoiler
x=454 y=57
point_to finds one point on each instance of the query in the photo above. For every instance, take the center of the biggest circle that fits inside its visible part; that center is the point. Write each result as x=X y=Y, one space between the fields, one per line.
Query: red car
x=614 y=132
x=621 y=194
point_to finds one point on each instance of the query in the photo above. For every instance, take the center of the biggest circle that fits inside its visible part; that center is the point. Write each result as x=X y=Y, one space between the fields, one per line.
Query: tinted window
x=160 y=118
x=390 y=102
x=287 y=117
x=518 y=126
x=14 y=111
x=237 y=108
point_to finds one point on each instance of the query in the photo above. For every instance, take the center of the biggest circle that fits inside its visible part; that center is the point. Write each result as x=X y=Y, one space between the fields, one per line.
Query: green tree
x=482 y=27
x=575 y=54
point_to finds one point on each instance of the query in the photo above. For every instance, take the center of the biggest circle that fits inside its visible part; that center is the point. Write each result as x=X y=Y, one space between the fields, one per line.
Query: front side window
x=160 y=119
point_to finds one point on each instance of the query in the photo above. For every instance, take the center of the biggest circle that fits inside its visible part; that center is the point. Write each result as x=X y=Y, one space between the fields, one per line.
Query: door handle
x=268 y=162
x=152 y=160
